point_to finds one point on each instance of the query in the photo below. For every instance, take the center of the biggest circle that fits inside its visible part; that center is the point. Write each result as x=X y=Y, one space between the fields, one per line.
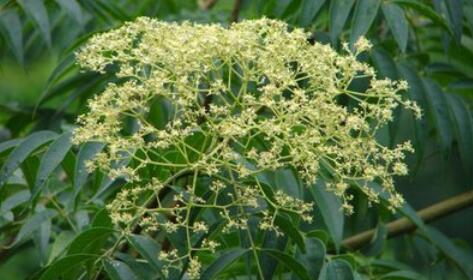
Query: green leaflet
x=339 y=12
x=426 y=11
x=11 y=22
x=223 y=261
x=37 y=10
x=66 y=267
x=89 y=241
x=314 y=257
x=439 y=113
x=289 y=262
x=33 y=223
x=51 y=160
x=463 y=130
x=4 y=146
x=86 y=153
x=364 y=15
x=330 y=208
x=336 y=270
x=22 y=151
x=407 y=275
x=118 y=270
x=308 y=11
x=398 y=24
x=444 y=244
x=148 y=249
x=14 y=200
x=73 y=9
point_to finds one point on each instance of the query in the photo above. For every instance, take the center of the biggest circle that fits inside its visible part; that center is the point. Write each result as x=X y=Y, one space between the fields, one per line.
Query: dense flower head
x=255 y=97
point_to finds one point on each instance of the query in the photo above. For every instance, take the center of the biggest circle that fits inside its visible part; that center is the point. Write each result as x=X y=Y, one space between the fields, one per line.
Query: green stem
x=248 y=233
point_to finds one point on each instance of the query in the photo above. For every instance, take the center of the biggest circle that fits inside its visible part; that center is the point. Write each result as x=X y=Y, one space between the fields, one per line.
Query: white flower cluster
x=257 y=97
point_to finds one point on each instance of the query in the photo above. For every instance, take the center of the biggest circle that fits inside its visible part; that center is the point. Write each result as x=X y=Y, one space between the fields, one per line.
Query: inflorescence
x=255 y=97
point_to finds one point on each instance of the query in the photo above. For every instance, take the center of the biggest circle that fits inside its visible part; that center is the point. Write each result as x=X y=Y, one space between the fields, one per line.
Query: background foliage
x=52 y=221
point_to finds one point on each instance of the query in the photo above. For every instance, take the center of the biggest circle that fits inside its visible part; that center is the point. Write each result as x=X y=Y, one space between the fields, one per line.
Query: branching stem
x=404 y=225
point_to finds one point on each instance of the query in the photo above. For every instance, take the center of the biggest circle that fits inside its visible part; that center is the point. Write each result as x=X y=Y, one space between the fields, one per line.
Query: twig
x=207 y=4
x=235 y=11
x=233 y=18
x=404 y=225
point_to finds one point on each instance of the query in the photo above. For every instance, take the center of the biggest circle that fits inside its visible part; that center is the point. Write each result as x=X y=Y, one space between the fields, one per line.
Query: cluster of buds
x=234 y=103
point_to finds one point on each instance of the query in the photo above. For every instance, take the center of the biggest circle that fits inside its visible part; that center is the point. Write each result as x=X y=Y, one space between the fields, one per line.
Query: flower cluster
x=201 y=111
